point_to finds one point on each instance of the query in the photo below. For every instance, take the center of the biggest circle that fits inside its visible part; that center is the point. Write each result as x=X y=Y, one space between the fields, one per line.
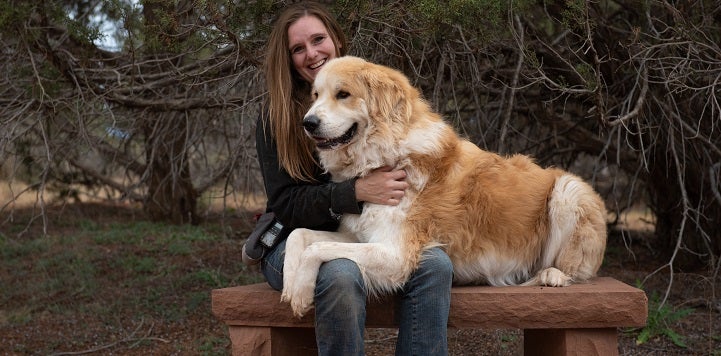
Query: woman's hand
x=382 y=186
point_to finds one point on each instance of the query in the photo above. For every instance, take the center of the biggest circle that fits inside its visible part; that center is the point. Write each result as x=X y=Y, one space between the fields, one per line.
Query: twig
x=130 y=338
x=514 y=83
x=639 y=102
x=103 y=347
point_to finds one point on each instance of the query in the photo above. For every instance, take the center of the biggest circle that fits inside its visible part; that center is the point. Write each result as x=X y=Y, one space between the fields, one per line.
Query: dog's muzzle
x=311 y=124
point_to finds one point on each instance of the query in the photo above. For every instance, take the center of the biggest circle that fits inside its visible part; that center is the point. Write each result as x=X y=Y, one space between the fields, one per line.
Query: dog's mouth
x=334 y=143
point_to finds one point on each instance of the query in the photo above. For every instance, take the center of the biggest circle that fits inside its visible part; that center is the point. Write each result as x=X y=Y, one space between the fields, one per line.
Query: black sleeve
x=298 y=203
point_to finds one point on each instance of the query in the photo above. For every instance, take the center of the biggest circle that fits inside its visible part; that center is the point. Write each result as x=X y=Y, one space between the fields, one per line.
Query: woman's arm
x=382 y=186
x=318 y=204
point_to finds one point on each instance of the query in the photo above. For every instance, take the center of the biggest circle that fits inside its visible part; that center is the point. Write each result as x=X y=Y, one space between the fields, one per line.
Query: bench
x=578 y=320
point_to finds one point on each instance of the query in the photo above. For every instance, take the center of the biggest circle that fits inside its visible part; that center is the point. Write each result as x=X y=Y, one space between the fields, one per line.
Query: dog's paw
x=301 y=306
x=302 y=294
x=298 y=293
x=300 y=299
x=553 y=277
x=288 y=282
x=285 y=296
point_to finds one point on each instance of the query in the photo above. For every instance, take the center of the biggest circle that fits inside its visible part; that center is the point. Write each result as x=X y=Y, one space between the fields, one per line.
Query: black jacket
x=299 y=204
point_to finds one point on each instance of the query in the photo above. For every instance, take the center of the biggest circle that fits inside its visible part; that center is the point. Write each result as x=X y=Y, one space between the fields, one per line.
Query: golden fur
x=502 y=221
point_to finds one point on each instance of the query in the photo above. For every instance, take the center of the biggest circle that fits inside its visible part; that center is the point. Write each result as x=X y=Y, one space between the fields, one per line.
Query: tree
x=624 y=93
x=135 y=123
x=166 y=133
x=628 y=90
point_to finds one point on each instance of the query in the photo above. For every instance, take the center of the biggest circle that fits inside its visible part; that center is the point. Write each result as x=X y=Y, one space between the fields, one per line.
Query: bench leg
x=584 y=342
x=266 y=341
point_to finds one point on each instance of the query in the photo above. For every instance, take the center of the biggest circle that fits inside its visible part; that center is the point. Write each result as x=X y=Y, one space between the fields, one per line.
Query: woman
x=305 y=36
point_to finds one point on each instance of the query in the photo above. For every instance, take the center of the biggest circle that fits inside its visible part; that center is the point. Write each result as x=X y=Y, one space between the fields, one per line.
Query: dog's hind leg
x=577 y=237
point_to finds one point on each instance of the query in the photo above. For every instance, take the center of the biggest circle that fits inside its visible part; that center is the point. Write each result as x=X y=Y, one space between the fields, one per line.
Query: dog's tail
x=576 y=242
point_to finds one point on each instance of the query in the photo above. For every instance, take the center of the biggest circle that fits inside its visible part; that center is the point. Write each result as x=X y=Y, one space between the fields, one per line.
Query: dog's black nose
x=311 y=123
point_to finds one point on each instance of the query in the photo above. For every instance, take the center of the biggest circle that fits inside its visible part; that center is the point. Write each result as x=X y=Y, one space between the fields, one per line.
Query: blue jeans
x=340 y=304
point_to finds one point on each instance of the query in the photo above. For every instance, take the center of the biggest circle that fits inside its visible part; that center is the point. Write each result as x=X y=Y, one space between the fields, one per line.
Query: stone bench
x=578 y=320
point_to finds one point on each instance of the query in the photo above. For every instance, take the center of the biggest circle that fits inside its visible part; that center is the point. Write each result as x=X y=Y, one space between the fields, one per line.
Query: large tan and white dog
x=502 y=221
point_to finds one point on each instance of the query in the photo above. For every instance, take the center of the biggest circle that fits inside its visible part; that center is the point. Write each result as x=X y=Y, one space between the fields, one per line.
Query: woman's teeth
x=316 y=65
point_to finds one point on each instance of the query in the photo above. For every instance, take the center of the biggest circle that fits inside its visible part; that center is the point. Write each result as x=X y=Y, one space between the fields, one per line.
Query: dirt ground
x=123 y=310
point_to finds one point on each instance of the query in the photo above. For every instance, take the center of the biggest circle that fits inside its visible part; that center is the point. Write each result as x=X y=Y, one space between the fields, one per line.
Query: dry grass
x=16 y=195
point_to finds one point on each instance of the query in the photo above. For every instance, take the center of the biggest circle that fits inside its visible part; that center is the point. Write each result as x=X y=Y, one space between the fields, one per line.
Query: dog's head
x=355 y=100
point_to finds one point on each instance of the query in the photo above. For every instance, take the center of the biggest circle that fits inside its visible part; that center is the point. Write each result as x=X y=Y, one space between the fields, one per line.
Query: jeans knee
x=436 y=260
x=340 y=292
x=340 y=276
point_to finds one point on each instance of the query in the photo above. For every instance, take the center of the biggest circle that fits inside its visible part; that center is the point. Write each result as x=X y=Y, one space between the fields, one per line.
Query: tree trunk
x=171 y=196
x=701 y=240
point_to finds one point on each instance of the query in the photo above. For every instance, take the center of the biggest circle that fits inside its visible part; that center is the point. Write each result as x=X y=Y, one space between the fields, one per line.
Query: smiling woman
x=306 y=38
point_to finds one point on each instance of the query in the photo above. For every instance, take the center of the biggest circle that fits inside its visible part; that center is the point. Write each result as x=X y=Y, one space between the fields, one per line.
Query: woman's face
x=310 y=46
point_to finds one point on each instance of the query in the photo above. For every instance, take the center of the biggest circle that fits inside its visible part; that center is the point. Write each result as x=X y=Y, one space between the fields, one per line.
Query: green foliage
x=15 y=15
x=482 y=18
x=461 y=12
x=253 y=20
x=661 y=318
x=574 y=16
x=129 y=18
x=588 y=75
x=163 y=29
x=438 y=16
x=79 y=28
x=12 y=14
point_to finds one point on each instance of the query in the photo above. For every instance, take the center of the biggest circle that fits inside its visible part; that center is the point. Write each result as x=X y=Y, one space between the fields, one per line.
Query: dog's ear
x=391 y=96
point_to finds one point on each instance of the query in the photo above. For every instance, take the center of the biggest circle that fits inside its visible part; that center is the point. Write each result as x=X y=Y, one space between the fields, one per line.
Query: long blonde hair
x=289 y=94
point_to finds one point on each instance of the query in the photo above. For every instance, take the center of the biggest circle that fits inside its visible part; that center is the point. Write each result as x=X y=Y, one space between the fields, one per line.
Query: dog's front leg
x=294 y=247
x=383 y=269
x=298 y=242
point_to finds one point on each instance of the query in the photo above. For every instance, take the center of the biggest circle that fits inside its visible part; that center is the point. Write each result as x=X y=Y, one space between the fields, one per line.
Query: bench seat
x=578 y=320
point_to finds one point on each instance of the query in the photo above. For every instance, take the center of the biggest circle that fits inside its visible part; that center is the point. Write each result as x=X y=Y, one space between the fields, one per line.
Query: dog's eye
x=315 y=95
x=342 y=95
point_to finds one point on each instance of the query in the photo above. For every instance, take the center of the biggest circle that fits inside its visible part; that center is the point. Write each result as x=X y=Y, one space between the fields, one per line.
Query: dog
x=502 y=220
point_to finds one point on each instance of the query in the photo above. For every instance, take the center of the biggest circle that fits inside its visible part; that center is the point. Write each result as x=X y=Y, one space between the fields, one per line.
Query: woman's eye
x=295 y=50
x=342 y=94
